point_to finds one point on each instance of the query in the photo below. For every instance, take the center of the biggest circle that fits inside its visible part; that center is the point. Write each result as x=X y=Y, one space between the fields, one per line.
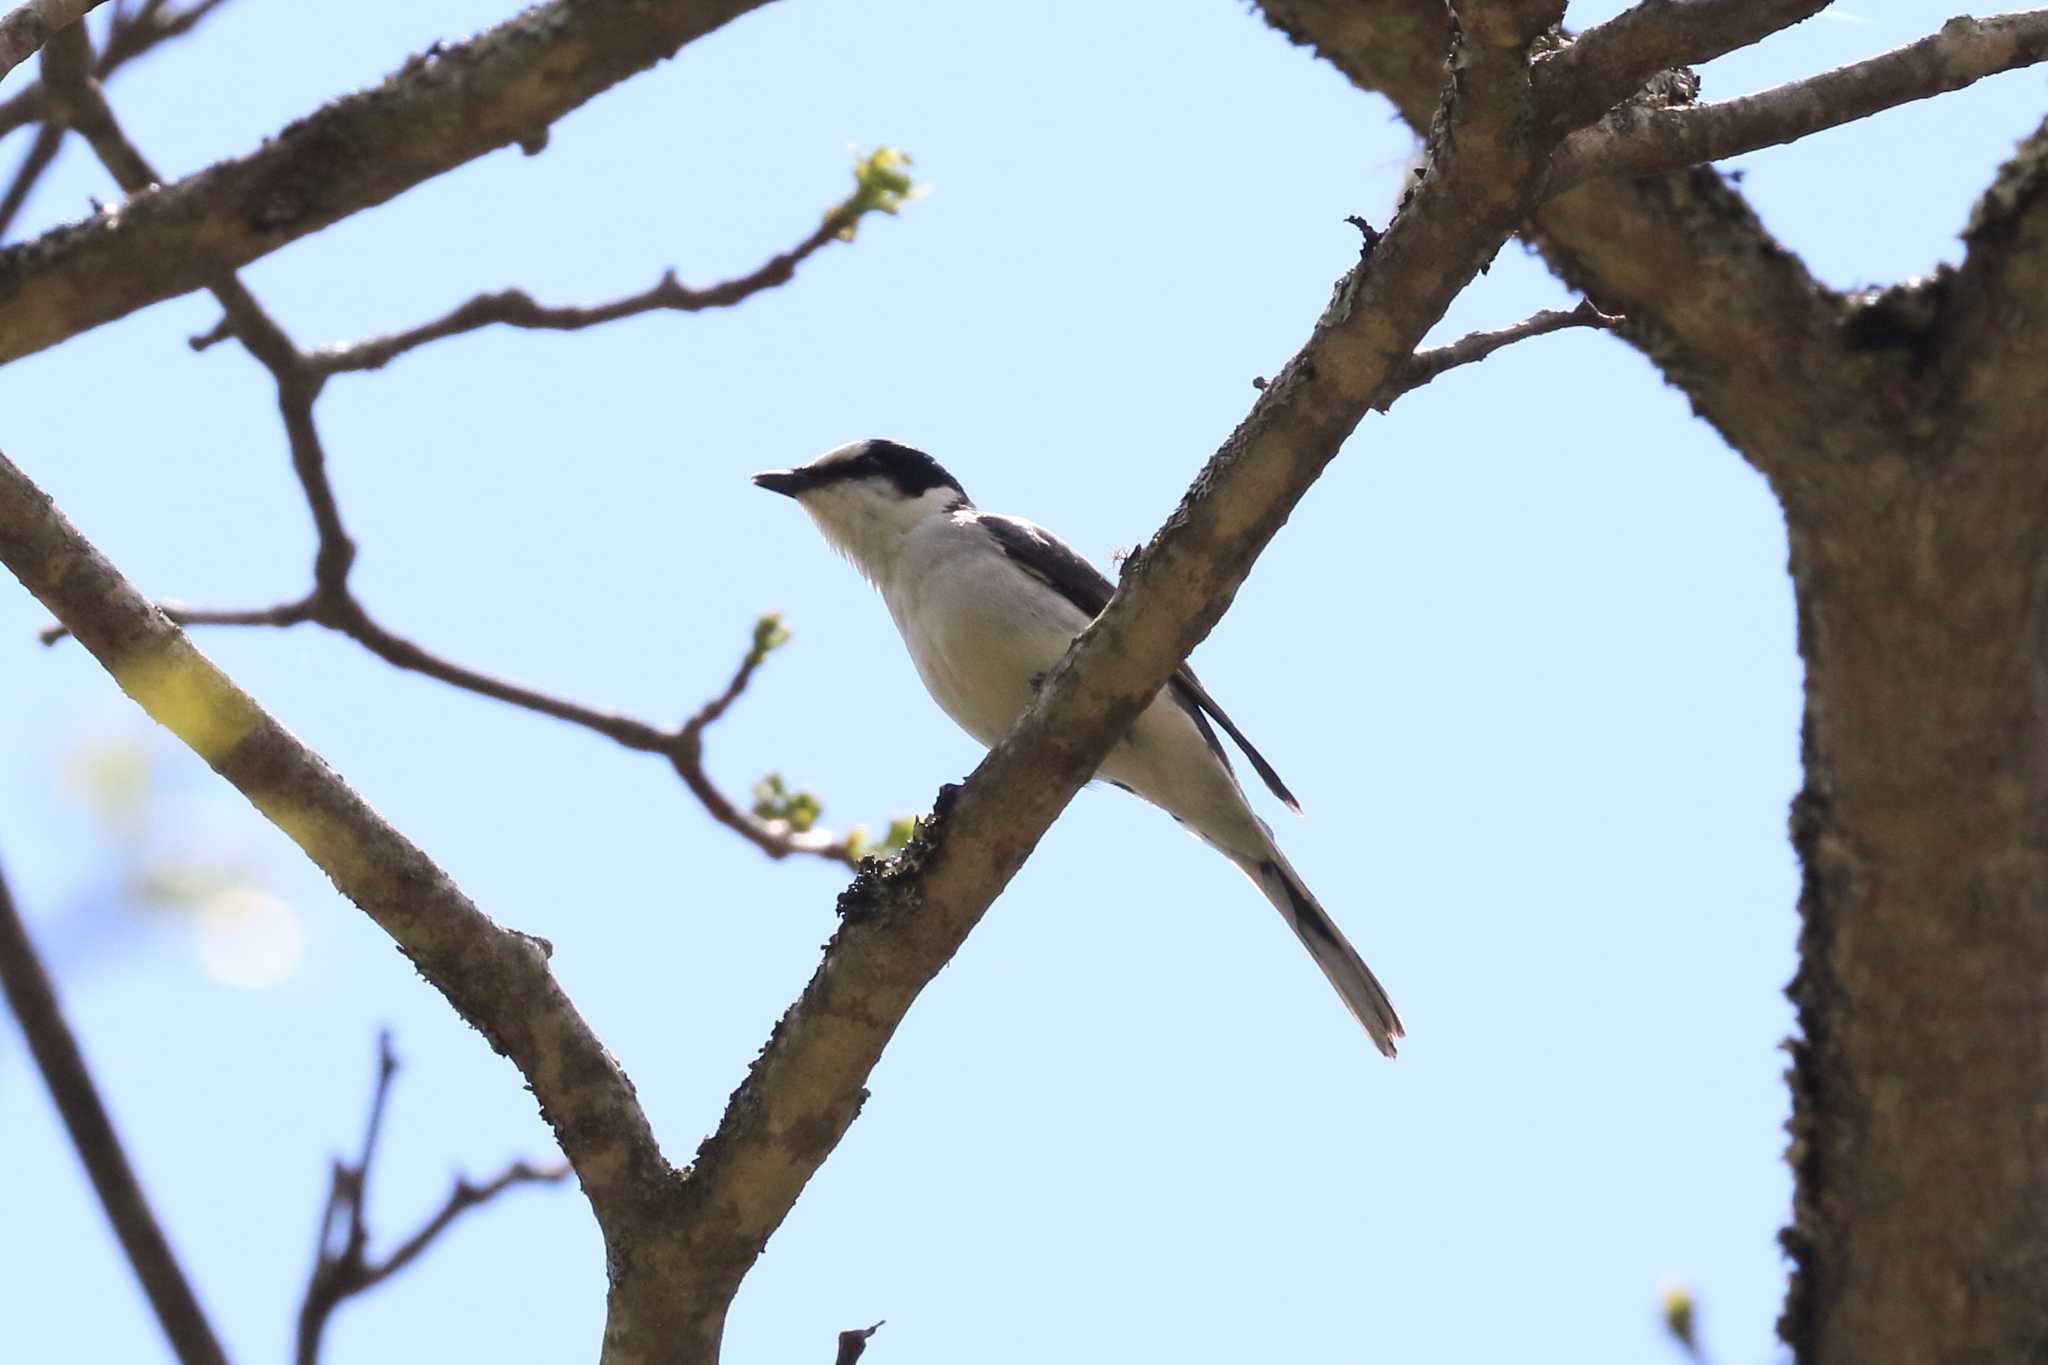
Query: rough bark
x=1906 y=436
x=1920 y=1135
x=502 y=87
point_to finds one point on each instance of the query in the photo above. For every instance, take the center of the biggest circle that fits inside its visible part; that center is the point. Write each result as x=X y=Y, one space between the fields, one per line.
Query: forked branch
x=343 y=1266
x=881 y=185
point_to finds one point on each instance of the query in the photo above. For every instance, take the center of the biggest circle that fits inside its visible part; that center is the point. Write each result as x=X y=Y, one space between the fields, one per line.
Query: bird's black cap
x=912 y=472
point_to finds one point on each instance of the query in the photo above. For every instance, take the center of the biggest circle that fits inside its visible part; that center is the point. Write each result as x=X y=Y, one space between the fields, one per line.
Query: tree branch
x=1474 y=347
x=1633 y=142
x=902 y=923
x=29 y=25
x=880 y=185
x=129 y=36
x=516 y=308
x=1726 y=313
x=342 y=1267
x=1611 y=61
x=502 y=87
x=33 y=999
x=496 y=978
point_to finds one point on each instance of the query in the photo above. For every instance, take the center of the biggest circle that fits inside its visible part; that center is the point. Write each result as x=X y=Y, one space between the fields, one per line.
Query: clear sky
x=1526 y=654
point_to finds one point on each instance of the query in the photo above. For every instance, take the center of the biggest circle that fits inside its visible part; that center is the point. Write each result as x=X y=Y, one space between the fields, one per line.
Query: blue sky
x=1526 y=655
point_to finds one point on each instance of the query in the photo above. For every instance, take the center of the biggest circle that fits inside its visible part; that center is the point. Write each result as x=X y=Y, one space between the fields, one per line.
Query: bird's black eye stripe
x=912 y=472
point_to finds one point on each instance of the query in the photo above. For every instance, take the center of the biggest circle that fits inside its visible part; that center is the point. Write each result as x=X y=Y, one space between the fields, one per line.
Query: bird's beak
x=788 y=482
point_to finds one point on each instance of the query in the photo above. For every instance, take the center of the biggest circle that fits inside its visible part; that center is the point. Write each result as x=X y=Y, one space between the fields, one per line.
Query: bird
x=987 y=604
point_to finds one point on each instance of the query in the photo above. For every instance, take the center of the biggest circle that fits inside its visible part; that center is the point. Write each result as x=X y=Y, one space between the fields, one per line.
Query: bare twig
x=1643 y=141
x=682 y=746
x=853 y=1342
x=516 y=308
x=283 y=614
x=50 y=1041
x=156 y=22
x=299 y=379
x=342 y=1266
x=1473 y=347
x=31 y=23
x=462 y=101
x=1611 y=61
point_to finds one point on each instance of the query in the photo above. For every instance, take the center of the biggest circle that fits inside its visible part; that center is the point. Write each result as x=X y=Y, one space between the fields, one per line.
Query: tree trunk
x=1906 y=436
x=1920 y=1133
x=1920 y=1128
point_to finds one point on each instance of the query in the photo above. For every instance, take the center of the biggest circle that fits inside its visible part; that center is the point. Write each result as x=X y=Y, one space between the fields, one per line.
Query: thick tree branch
x=496 y=978
x=33 y=999
x=342 y=1265
x=1611 y=61
x=502 y=87
x=1728 y=315
x=1633 y=142
x=30 y=24
x=902 y=924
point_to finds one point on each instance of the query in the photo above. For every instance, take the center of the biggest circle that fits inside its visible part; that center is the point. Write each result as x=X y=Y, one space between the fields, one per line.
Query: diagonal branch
x=31 y=23
x=901 y=924
x=342 y=1266
x=495 y=978
x=1609 y=62
x=56 y=1052
x=501 y=88
x=1643 y=141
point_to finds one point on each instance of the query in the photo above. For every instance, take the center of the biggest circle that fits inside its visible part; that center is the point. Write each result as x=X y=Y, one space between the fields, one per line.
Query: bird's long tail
x=1362 y=992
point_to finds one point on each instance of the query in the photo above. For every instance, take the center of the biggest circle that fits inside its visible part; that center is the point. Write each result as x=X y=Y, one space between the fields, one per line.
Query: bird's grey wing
x=1067 y=572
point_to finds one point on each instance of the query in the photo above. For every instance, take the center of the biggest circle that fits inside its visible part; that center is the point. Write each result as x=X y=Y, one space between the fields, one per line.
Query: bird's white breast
x=979 y=629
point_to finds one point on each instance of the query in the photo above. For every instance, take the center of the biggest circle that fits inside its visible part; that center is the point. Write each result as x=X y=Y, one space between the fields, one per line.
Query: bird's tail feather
x=1362 y=992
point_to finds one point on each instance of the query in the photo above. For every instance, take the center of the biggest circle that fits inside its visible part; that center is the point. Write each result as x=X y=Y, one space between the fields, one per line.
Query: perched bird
x=987 y=604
